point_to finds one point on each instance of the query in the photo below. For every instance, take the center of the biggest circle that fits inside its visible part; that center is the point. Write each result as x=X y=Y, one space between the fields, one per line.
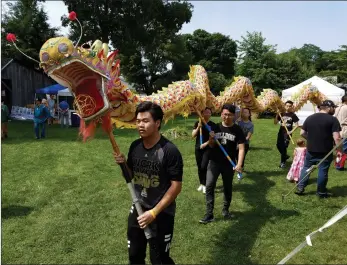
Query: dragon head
x=90 y=75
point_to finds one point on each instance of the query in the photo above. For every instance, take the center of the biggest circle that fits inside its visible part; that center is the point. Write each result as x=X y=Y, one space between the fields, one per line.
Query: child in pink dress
x=298 y=161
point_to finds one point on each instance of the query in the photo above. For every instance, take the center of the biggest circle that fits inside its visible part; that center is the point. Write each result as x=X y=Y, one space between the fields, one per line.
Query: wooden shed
x=19 y=82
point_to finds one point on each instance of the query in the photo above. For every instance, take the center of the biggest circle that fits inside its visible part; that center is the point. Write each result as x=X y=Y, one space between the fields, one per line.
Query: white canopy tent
x=329 y=90
x=65 y=92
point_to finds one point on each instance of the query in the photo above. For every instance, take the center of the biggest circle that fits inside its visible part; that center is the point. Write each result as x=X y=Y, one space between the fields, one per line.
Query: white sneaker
x=200 y=188
x=203 y=189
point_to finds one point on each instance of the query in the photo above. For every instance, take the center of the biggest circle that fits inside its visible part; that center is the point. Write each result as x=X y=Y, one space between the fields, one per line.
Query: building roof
x=5 y=62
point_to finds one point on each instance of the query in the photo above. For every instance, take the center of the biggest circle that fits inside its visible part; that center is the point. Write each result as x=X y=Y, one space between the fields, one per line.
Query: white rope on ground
x=308 y=241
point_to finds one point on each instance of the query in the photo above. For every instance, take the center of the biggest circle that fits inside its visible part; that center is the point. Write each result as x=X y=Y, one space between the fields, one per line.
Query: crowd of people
x=156 y=164
x=44 y=113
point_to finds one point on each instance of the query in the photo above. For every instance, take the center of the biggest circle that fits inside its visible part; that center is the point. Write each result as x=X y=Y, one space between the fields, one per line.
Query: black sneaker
x=324 y=195
x=282 y=165
x=299 y=191
x=227 y=215
x=206 y=219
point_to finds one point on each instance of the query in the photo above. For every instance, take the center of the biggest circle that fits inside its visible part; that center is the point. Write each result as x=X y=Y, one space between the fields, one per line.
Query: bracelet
x=153 y=213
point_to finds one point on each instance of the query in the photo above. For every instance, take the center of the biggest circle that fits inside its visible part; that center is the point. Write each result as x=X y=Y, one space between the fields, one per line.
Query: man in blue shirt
x=64 y=114
x=41 y=114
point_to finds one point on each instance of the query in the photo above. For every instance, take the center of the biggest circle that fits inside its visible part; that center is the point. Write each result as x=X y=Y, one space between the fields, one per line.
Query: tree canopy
x=153 y=54
x=216 y=52
x=28 y=21
x=144 y=31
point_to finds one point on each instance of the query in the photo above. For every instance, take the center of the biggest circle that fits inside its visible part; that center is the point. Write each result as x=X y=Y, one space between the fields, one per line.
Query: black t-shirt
x=229 y=137
x=205 y=133
x=289 y=119
x=153 y=169
x=320 y=128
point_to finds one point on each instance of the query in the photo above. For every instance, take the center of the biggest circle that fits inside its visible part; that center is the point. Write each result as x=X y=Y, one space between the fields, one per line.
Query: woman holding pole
x=202 y=148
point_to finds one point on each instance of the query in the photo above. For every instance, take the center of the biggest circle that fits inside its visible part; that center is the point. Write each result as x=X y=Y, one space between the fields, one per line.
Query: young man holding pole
x=157 y=168
x=322 y=131
x=230 y=136
x=287 y=120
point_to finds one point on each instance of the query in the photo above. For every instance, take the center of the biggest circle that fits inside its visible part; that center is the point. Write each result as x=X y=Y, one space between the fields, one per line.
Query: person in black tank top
x=157 y=169
x=283 y=139
x=322 y=131
x=202 y=151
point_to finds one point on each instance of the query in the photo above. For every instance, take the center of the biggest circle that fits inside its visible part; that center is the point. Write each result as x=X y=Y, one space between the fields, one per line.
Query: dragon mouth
x=87 y=84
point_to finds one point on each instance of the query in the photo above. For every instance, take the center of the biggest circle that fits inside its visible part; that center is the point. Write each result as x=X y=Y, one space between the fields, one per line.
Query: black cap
x=328 y=103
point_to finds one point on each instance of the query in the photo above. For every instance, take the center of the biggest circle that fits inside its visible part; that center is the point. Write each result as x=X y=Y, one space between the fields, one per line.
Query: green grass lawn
x=65 y=202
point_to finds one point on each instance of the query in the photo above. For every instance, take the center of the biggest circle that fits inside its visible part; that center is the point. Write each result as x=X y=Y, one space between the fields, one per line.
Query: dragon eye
x=62 y=48
x=45 y=56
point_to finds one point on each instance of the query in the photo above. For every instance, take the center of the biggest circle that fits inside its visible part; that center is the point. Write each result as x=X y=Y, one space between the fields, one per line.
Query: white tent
x=329 y=90
x=65 y=93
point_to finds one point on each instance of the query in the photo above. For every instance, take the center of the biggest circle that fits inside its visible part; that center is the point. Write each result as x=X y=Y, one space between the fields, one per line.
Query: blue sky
x=287 y=24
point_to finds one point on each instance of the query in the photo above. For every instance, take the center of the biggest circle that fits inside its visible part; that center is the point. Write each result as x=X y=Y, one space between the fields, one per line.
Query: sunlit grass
x=65 y=202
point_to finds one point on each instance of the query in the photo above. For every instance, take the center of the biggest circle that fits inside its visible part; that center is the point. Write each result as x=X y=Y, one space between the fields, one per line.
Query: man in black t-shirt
x=230 y=136
x=202 y=151
x=321 y=130
x=157 y=168
x=289 y=119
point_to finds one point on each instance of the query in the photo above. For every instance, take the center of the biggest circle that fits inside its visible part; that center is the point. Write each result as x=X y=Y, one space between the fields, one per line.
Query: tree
x=257 y=61
x=291 y=69
x=308 y=53
x=266 y=69
x=28 y=21
x=253 y=46
x=216 y=53
x=141 y=30
x=334 y=63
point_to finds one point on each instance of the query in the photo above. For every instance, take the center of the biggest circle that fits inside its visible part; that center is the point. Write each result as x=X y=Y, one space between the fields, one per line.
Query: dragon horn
x=73 y=16
x=111 y=58
x=101 y=54
x=12 y=38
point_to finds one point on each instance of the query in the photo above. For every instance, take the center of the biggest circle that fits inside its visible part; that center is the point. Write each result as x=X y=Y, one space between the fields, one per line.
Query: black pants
x=213 y=171
x=282 y=145
x=162 y=226
x=246 y=151
x=202 y=157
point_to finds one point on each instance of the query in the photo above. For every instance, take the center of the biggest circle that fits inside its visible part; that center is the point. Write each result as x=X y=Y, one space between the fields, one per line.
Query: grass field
x=65 y=202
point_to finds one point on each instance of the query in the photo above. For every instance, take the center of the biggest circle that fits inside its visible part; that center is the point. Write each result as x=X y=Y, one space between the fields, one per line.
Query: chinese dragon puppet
x=92 y=74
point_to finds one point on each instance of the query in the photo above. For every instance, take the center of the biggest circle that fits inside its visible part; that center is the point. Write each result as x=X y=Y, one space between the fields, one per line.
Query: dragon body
x=92 y=74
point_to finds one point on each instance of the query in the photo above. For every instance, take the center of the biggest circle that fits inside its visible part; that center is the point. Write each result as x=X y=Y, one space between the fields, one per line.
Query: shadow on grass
x=261 y=148
x=253 y=175
x=261 y=174
x=234 y=244
x=13 y=211
x=337 y=191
